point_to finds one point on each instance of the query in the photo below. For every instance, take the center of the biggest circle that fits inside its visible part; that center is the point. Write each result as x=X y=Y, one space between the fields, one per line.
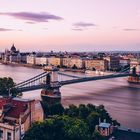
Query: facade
x=14 y=56
x=76 y=62
x=55 y=61
x=71 y=62
x=67 y=62
x=105 y=129
x=124 y=62
x=41 y=61
x=31 y=59
x=135 y=62
x=96 y=64
x=113 y=62
x=17 y=115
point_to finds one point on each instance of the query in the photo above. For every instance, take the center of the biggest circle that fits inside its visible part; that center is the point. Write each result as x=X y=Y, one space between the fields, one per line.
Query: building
x=71 y=62
x=55 y=61
x=77 y=62
x=113 y=62
x=135 y=62
x=96 y=64
x=124 y=62
x=41 y=61
x=23 y=57
x=13 y=56
x=105 y=129
x=31 y=59
x=66 y=62
x=17 y=116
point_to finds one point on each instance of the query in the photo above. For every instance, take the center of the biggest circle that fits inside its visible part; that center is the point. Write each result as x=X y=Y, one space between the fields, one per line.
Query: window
x=1 y=134
x=9 y=136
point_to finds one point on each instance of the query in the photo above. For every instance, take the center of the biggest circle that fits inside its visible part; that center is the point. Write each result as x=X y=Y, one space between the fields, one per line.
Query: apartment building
x=17 y=116
x=96 y=64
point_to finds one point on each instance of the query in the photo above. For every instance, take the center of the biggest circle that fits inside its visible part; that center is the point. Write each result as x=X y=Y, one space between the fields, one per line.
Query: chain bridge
x=52 y=78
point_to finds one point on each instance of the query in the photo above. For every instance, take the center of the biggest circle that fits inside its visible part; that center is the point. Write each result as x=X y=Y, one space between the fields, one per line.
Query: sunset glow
x=71 y=25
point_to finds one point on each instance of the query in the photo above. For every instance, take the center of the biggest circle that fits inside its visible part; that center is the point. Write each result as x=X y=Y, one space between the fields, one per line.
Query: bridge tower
x=134 y=77
x=52 y=94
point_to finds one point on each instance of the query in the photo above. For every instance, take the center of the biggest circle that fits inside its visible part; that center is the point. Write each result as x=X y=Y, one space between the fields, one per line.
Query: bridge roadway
x=29 y=87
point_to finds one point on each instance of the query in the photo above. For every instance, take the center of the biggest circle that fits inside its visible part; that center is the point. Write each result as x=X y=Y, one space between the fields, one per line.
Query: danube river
x=120 y=98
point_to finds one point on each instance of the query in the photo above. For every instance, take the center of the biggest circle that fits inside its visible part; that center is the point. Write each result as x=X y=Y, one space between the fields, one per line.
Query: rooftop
x=105 y=125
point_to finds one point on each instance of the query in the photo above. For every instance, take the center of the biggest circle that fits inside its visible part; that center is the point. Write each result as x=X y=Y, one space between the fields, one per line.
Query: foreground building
x=17 y=116
x=105 y=129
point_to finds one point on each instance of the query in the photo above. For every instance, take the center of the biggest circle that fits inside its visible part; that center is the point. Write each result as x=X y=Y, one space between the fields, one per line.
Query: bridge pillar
x=52 y=94
x=134 y=77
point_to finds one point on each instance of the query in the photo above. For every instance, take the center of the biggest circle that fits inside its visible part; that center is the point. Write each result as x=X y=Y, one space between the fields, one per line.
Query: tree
x=93 y=120
x=83 y=111
x=53 y=109
x=7 y=87
x=72 y=111
x=97 y=136
x=91 y=107
x=59 y=128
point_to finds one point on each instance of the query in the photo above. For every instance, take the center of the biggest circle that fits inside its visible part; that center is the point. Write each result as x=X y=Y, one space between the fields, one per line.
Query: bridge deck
x=67 y=82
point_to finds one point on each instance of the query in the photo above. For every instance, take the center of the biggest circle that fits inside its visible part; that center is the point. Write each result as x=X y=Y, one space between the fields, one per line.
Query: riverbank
x=39 y=67
x=21 y=65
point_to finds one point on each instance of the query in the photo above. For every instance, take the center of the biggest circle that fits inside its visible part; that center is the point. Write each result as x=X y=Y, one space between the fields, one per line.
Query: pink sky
x=71 y=25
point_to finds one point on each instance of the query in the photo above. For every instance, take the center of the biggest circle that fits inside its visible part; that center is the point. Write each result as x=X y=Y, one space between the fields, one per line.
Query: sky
x=70 y=25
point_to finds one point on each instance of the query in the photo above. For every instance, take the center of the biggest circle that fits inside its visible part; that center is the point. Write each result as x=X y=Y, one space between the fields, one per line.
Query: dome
x=13 y=48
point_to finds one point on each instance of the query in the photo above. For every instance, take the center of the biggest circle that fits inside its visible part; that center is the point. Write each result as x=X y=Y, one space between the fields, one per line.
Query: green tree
x=6 y=87
x=52 y=109
x=93 y=120
x=97 y=136
x=59 y=128
x=83 y=111
x=72 y=111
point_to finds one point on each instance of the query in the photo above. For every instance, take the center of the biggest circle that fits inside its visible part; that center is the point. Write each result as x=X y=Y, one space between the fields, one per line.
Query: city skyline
x=80 y=25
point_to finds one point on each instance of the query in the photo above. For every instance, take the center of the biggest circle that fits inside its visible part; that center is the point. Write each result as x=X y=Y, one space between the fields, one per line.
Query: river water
x=121 y=99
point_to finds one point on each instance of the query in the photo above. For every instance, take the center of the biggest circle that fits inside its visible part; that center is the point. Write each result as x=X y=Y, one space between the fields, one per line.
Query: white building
x=71 y=62
x=31 y=59
x=41 y=61
x=55 y=61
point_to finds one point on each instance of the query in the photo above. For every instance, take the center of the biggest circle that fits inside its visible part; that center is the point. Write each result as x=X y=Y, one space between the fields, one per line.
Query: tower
x=13 y=49
x=52 y=93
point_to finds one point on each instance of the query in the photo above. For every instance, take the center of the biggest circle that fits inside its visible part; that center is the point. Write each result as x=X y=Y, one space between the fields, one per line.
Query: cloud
x=131 y=29
x=80 y=26
x=30 y=22
x=83 y=24
x=31 y=17
x=77 y=29
x=45 y=28
x=6 y=29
